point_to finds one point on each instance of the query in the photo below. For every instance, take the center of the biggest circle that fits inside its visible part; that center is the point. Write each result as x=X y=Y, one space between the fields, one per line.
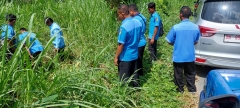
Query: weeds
x=88 y=77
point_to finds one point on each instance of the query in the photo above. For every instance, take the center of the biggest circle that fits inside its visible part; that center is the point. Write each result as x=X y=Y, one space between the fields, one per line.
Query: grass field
x=88 y=77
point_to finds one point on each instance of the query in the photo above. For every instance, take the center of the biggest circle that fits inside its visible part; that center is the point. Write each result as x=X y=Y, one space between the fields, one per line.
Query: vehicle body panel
x=222 y=49
x=221 y=82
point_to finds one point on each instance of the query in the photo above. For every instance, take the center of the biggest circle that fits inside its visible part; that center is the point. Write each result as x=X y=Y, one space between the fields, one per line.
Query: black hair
x=152 y=5
x=11 y=17
x=23 y=29
x=133 y=7
x=123 y=8
x=48 y=20
x=186 y=12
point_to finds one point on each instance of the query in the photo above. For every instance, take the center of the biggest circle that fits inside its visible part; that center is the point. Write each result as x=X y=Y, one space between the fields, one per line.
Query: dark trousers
x=35 y=57
x=36 y=54
x=61 y=54
x=140 y=59
x=11 y=47
x=189 y=70
x=127 y=69
x=153 y=49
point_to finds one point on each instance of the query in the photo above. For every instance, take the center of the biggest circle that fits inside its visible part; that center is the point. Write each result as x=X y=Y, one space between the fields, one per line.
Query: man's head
x=11 y=19
x=48 y=21
x=185 y=12
x=133 y=9
x=151 y=7
x=22 y=30
x=123 y=12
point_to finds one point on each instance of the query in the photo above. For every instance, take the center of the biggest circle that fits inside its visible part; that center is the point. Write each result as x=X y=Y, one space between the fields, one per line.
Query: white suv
x=219 y=23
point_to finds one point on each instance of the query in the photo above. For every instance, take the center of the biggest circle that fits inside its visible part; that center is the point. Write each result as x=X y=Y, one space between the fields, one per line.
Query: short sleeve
x=157 y=20
x=20 y=37
x=171 y=36
x=122 y=34
x=197 y=36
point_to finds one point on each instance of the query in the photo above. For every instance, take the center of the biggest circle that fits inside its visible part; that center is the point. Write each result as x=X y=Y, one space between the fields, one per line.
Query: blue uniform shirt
x=34 y=42
x=7 y=30
x=55 y=30
x=129 y=36
x=183 y=36
x=155 y=20
x=143 y=20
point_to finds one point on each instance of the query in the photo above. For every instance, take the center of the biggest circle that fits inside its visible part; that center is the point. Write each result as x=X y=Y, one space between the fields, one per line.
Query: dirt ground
x=192 y=100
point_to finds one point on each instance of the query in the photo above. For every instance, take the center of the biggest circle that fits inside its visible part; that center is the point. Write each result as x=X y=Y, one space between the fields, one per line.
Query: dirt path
x=192 y=100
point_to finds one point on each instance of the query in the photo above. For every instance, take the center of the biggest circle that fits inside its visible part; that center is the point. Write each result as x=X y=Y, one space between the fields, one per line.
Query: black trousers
x=128 y=69
x=140 y=59
x=36 y=54
x=35 y=57
x=189 y=70
x=61 y=54
x=153 y=49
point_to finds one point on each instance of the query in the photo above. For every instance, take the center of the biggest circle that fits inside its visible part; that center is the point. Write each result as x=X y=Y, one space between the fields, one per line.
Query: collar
x=185 y=20
x=126 y=19
x=51 y=25
x=137 y=14
x=10 y=25
x=153 y=13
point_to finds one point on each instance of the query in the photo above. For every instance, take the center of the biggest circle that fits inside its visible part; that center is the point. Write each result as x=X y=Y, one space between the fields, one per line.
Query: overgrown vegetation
x=88 y=76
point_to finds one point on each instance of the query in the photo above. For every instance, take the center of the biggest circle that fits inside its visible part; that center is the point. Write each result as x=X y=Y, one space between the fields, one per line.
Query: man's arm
x=29 y=53
x=170 y=38
x=195 y=43
x=155 y=32
x=197 y=38
x=121 y=41
x=118 y=52
x=56 y=40
x=171 y=43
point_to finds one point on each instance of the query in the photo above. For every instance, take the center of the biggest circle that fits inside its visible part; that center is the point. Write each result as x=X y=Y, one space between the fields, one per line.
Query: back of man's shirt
x=143 y=21
x=129 y=36
x=183 y=36
x=7 y=30
x=55 y=30
x=34 y=42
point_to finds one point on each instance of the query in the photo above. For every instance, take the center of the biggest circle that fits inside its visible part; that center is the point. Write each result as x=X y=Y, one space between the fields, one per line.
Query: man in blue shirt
x=183 y=37
x=35 y=47
x=133 y=9
x=8 y=32
x=56 y=32
x=127 y=50
x=154 y=30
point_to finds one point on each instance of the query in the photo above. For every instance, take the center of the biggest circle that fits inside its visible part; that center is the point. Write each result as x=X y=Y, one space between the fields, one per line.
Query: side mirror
x=222 y=101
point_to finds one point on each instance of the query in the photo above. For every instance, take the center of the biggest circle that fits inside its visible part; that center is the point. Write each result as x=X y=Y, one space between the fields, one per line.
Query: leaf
x=50 y=98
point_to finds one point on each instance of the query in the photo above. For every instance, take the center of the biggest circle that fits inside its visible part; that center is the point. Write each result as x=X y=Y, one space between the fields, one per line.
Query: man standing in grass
x=56 y=32
x=142 y=43
x=127 y=50
x=35 y=47
x=8 y=32
x=154 y=30
x=183 y=37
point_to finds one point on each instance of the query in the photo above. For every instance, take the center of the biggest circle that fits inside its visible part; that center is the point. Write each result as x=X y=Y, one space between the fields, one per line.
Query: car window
x=227 y=12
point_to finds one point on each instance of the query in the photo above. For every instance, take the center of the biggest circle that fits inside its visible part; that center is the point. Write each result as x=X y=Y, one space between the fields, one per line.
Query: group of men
x=131 y=43
x=35 y=47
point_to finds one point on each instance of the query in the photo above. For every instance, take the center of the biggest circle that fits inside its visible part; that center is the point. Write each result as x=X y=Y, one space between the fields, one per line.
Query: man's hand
x=31 y=56
x=116 y=61
x=55 y=51
x=152 y=41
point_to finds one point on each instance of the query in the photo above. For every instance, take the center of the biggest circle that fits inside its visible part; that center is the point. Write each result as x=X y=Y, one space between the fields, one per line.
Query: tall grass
x=88 y=76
